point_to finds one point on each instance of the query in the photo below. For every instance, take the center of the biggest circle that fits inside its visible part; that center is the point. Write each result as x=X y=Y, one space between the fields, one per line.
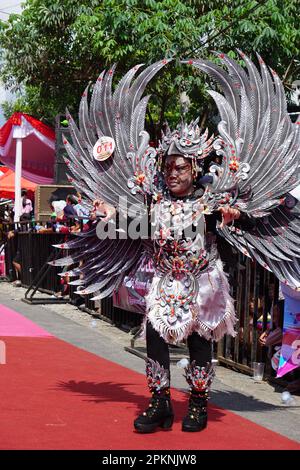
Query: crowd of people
x=66 y=215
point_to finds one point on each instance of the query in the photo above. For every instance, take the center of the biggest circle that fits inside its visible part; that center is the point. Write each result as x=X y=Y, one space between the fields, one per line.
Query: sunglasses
x=178 y=169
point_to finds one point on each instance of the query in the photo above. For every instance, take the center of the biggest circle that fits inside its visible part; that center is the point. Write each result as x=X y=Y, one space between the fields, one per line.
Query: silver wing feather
x=102 y=263
x=120 y=116
x=273 y=242
x=259 y=144
x=128 y=172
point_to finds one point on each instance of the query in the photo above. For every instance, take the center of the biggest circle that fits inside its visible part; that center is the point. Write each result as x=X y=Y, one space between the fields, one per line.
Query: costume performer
x=110 y=157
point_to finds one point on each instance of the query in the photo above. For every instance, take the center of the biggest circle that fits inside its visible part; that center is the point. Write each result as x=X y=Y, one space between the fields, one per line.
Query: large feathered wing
x=260 y=147
x=100 y=265
x=274 y=242
x=118 y=117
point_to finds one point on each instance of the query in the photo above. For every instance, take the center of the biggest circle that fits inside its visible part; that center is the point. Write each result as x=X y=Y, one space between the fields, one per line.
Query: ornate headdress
x=187 y=141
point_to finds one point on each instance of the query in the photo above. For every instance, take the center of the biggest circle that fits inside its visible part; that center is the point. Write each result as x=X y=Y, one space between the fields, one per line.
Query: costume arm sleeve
x=245 y=222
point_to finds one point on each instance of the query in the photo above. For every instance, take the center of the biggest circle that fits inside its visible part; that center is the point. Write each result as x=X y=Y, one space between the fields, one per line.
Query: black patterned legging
x=158 y=350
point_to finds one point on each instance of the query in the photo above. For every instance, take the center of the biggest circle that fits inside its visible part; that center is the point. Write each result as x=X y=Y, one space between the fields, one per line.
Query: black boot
x=196 y=419
x=159 y=412
x=199 y=379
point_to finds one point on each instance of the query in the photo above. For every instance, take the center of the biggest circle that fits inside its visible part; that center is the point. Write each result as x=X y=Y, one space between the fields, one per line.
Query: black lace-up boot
x=196 y=419
x=199 y=379
x=159 y=412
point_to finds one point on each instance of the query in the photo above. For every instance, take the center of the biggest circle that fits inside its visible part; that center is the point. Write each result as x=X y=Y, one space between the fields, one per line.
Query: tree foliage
x=53 y=49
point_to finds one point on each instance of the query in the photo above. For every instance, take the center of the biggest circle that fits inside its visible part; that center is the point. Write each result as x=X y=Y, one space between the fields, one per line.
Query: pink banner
x=131 y=295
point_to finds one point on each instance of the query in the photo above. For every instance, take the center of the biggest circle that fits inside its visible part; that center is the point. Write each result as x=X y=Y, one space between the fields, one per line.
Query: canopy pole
x=18 y=174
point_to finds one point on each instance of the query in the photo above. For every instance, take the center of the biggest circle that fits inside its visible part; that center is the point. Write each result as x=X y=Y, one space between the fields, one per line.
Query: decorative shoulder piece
x=199 y=378
x=157 y=376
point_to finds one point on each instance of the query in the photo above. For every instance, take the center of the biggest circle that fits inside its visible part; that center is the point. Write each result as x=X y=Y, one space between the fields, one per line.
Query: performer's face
x=178 y=175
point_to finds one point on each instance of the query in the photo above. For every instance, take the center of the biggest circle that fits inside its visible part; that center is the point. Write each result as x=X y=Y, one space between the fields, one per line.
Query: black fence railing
x=31 y=251
x=255 y=291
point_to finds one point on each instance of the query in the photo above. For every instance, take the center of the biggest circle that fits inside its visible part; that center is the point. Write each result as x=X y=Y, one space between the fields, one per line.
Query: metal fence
x=255 y=291
x=32 y=251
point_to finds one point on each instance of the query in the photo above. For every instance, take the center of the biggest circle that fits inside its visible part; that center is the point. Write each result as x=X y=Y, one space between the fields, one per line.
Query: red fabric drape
x=15 y=120
x=38 y=148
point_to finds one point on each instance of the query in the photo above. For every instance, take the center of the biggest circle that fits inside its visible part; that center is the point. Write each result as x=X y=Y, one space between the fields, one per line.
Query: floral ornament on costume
x=157 y=376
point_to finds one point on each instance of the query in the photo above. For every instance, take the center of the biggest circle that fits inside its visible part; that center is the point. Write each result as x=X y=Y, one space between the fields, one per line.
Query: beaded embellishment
x=158 y=378
x=199 y=378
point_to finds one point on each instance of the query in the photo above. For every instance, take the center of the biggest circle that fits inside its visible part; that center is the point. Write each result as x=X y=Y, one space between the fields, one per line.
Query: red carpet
x=56 y=396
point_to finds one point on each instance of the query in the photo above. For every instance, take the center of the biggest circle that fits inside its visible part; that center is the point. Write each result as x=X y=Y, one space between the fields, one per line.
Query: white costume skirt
x=211 y=314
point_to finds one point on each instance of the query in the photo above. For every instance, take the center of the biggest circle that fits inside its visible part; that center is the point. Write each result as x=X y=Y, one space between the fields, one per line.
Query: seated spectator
x=26 y=205
x=57 y=206
x=69 y=210
x=81 y=210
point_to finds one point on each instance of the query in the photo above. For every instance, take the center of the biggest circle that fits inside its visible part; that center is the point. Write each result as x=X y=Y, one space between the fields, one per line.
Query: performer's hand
x=228 y=215
x=97 y=203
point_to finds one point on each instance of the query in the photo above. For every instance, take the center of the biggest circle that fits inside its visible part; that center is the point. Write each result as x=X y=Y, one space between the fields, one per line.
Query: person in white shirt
x=26 y=204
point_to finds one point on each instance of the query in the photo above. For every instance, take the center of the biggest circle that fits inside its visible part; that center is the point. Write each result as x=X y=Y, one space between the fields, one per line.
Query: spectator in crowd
x=26 y=204
x=81 y=210
x=57 y=206
x=69 y=209
x=76 y=227
x=273 y=336
x=51 y=226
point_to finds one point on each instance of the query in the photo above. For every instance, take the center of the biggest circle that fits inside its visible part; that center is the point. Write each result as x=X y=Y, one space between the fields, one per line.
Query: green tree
x=53 y=49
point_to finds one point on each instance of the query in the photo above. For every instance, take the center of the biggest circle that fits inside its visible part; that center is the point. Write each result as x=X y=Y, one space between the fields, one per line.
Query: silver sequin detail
x=157 y=376
x=199 y=378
